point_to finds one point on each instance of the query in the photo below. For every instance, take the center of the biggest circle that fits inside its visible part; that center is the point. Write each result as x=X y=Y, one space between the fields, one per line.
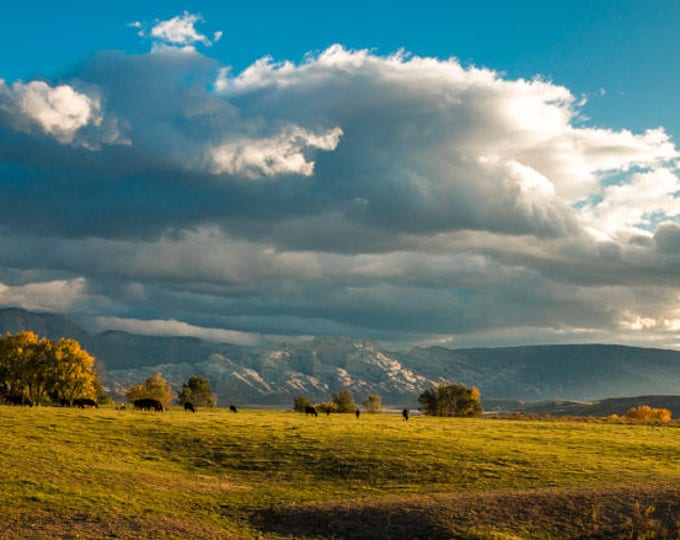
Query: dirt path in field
x=630 y=512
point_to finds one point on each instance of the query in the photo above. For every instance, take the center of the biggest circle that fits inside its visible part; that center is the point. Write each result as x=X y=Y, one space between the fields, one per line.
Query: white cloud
x=439 y=132
x=631 y=205
x=58 y=295
x=180 y=32
x=272 y=156
x=176 y=328
x=58 y=111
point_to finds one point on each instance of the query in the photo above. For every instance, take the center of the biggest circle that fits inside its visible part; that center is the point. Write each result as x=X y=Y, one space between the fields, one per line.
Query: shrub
x=327 y=407
x=154 y=387
x=344 y=402
x=645 y=412
x=198 y=392
x=451 y=400
x=300 y=403
x=373 y=403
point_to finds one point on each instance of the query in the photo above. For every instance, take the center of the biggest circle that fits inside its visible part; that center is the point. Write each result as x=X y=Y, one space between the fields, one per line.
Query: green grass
x=106 y=473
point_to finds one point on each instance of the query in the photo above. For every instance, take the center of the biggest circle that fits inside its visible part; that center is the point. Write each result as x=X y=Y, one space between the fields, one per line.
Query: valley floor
x=278 y=474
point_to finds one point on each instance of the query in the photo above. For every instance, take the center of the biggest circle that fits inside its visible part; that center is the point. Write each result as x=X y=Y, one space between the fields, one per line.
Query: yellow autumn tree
x=24 y=366
x=154 y=387
x=37 y=370
x=74 y=372
x=645 y=412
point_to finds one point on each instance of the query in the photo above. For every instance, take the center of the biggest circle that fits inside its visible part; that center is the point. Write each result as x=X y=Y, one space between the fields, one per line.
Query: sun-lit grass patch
x=206 y=475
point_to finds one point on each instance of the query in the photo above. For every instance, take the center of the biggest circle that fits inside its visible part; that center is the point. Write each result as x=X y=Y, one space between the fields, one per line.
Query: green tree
x=198 y=392
x=344 y=401
x=300 y=403
x=155 y=387
x=373 y=403
x=451 y=400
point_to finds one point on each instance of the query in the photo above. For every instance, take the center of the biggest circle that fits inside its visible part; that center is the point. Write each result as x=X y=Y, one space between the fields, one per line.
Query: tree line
x=442 y=400
x=41 y=371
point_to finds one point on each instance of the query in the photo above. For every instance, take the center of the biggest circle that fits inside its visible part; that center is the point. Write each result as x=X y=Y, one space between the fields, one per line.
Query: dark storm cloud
x=399 y=198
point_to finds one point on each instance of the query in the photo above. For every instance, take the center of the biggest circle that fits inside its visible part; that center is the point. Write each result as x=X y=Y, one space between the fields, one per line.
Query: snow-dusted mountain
x=275 y=375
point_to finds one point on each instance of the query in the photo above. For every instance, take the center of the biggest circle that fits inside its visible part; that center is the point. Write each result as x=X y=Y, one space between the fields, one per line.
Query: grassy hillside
x=107 y=473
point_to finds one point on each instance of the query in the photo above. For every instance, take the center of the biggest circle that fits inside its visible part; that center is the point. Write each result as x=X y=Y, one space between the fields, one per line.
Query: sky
x=434 y=173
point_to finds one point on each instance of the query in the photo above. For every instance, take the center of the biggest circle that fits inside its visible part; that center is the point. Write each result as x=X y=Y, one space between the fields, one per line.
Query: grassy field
x=104 y=473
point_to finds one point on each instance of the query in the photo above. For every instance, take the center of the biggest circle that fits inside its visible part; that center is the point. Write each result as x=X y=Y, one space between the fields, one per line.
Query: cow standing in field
x=232 y=408
x=189 y=407
x=357 y=413
x=148 y=404
x=311 y=410
x=13 y=399
x=85 y=402
x=405 y=413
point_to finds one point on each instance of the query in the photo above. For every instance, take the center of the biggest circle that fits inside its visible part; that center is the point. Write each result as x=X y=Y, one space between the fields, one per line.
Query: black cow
x=405 y=413
x=147 y=404
x=189 y=407
x=14 y=399
x=357 y=413
x=311 y=410
x=232 y=408
x=85 y=402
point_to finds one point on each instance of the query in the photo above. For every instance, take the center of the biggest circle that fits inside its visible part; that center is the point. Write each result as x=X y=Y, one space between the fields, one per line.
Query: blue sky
x=626 y=48
x=496 y=173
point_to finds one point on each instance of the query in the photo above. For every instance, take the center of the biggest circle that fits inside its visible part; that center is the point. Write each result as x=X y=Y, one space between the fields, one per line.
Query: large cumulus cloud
x=395 y=197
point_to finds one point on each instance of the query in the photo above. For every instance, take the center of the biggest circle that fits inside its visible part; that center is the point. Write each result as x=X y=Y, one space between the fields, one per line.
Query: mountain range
x=506 y=376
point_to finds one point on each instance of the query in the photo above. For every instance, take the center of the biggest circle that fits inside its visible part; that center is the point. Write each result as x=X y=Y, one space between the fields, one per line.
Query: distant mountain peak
x=323 y=365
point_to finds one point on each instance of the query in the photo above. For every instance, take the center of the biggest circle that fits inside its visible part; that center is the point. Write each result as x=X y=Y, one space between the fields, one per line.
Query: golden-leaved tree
x=40 y=371
x=74 y=372
x=645 y=412
x=155 y=387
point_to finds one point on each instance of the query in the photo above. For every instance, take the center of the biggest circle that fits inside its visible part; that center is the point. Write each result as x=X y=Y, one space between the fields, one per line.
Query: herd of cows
x=150 y=404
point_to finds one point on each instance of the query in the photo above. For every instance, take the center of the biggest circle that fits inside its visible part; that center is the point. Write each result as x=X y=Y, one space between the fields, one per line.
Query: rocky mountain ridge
x=274 y=375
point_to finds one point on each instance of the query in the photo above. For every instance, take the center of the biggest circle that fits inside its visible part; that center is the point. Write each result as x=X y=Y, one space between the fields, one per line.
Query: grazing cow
x=85 y=402
x=148 y=404
x=14 y=399
x=189 y=407
x=357 y=413
x=405 y=413
x=232 y=408
x=311 y=410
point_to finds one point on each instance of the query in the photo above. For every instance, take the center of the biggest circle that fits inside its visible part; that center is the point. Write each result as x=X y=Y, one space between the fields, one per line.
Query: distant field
x=274 y=474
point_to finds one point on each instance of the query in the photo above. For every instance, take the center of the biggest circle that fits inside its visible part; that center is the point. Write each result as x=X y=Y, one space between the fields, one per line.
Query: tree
x=75 y=374
x=327 y=407
x=39 y=370
x=344 y=402
x=373 y=403
x=24 y=364
x=155 y=387
x=645 y=412
x=197 y=391
x=451 y=400
x=300 y=403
